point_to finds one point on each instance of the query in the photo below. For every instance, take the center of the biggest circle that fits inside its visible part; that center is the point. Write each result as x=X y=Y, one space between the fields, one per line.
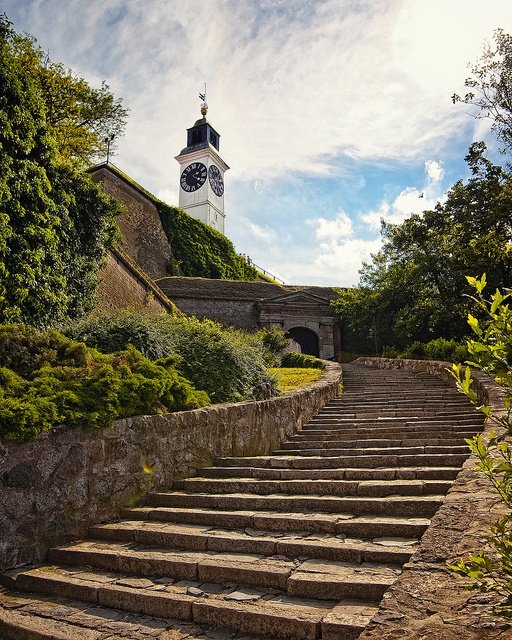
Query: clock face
x=193 y=177
x=215 y=177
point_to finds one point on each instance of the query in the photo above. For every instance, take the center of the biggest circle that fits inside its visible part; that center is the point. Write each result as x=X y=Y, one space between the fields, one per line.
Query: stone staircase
x=301 y=544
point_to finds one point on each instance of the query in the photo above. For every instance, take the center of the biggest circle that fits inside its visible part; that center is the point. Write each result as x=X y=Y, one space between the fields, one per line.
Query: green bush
x=273 y=341
x=438 y=349
x=47 y=379
x=226 y=363
x=149 y=333
x=301 y=361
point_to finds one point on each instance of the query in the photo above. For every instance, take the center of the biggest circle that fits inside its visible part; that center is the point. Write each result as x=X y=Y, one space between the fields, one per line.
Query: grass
x=291 y=378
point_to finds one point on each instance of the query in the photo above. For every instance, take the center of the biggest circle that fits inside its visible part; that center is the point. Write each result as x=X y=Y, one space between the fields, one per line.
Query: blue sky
x=333 y=114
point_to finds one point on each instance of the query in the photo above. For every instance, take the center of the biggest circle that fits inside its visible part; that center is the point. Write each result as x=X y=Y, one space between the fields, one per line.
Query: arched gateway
x=307 y=339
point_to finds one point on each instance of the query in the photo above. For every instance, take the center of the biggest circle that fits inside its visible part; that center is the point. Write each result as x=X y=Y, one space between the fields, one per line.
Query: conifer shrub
x=47 y=379
x=301 y=361
x=226 y=363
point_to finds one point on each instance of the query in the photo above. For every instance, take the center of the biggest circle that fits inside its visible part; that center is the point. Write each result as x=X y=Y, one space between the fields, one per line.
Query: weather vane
x=204 y=105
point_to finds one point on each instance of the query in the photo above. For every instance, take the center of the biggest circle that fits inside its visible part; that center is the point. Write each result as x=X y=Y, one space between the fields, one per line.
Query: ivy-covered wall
x=199 y=250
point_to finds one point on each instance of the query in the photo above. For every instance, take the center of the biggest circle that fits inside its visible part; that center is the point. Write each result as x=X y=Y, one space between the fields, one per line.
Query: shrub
x=302 y=361
x=490 y=569
x=48 y=379
x=226 y=363
x=149 y=333
x=438 y=349
x=273 y=341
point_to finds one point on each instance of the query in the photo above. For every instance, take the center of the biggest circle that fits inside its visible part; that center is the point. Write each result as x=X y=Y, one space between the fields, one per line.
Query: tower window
x=197 y=136
x=214 y=139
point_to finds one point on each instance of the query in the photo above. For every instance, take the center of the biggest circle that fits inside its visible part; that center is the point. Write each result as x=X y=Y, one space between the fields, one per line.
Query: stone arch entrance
x=307 y=339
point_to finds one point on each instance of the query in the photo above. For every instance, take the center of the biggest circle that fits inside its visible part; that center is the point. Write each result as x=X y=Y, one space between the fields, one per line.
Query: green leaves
x=413 y=288
x=55 y=224
x=490 y=569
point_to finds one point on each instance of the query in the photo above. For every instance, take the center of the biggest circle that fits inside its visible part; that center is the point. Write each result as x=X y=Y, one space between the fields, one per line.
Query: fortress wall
x=143 y=237
x=122 y=286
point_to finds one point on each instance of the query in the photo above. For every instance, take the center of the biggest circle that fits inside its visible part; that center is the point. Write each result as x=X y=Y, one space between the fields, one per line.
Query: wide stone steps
x=312 y=442
x=317 y=487
x=389 y=505
x=376 y=451
x=257 y=611
x=399 y=473
x=299 y=545
x=277 y=523
x=257 y=568
x=334 y=461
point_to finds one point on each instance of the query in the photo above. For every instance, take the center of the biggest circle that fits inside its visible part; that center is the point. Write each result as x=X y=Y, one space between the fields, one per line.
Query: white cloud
x=434 y=171
x=333 y=230
x=264 y=233
x=409 y=201
x=169 y=196
x=290 y=84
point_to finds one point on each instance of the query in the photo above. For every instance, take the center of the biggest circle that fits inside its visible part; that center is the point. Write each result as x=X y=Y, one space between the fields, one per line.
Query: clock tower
x=202 y=173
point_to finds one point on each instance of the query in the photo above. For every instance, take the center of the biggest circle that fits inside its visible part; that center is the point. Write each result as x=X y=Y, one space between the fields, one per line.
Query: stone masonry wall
x=143 y=237
x=429 y=601
x=53 y=488
x=236 y=313
x=121 y=287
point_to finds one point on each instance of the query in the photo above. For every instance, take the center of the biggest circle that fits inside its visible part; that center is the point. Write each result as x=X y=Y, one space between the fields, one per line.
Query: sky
x=333 y=114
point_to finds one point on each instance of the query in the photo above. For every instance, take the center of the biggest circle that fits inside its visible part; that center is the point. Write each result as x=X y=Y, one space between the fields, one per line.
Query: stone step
x=334 y=420
x=377 y=451
x=348 y=524
x=334 y=461
x=373 y=443
x=388 y=431
x=424 y=506
x=375 y=488
x=400 y=473
x=293 y=577
x=416 y=412
x=390 y=403
x=26 y=616
x=264 y=612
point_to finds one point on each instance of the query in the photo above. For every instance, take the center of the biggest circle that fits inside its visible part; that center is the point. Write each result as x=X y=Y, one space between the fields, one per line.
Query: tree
x=55 y=223
x=412 y=290
x=83 y=119
x=490 y=86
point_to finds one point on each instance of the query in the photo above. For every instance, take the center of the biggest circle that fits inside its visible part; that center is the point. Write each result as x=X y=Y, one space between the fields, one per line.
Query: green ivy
x=199 y=250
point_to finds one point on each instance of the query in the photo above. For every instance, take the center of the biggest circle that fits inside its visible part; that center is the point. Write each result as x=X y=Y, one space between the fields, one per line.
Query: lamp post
x=108 y=140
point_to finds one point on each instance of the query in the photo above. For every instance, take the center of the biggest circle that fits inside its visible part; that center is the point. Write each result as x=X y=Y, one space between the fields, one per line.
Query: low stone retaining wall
x=429 y=601
x=53 y=488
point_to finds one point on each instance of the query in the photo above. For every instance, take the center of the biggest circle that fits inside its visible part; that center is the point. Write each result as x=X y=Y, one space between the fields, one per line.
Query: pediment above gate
x=295 y=299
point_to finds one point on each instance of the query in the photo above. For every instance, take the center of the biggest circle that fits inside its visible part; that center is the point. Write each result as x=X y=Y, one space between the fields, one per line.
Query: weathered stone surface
x=428 y=601
x=52 y=489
